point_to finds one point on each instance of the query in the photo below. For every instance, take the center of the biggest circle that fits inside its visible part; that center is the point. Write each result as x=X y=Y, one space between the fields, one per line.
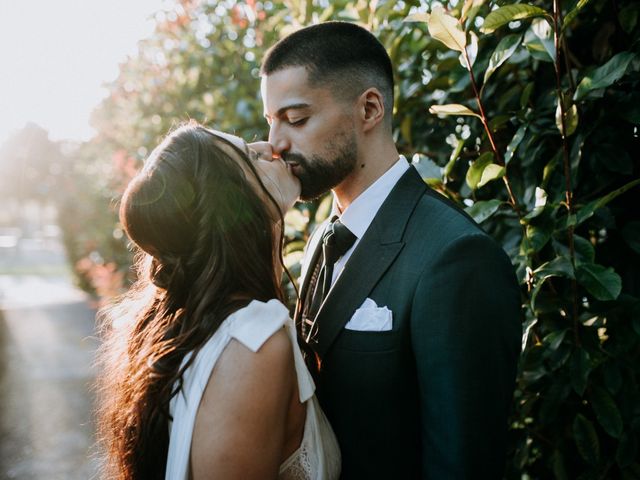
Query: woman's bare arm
x=240 y=426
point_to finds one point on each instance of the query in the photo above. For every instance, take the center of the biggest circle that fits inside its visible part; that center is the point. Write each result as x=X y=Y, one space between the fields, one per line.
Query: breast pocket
x=363 y=341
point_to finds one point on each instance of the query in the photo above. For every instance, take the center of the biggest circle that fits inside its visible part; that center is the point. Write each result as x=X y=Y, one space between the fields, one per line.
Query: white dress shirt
x=358 y=216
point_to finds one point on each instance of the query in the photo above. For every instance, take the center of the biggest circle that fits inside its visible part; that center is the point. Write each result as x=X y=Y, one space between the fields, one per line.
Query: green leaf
x=474 y=174
x=570 y=17
x=536 y=46
x=445 y=28
x=538 y=233
x=580 y=369
x=501 y=54
x=586 y=439
x=510 y=13
x=526 y=94
x=601 y=282
x=584 y=249
x=513 y=144
x=480 y=211
x=586 y=211
x=452 y=109
x=606 y=411
x=543 y=30
x=604 y=76
x=554 y=339
x=558 y=267
x=490 y=173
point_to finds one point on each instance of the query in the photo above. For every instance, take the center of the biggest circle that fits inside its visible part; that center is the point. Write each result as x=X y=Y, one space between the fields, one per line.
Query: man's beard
x=320 y=174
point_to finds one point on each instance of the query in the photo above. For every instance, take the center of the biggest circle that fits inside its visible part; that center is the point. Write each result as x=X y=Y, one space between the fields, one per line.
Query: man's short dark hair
x=341 y=56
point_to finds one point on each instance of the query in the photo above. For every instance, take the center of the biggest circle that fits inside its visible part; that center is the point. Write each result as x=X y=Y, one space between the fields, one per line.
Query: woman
x=202 y=375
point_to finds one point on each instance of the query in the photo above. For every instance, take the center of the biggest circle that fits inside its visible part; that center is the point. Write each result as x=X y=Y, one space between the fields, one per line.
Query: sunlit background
x=57 y=56
x=89 y=87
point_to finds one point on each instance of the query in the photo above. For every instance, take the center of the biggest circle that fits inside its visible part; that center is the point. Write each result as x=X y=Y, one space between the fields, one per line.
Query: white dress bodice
x=317 y=458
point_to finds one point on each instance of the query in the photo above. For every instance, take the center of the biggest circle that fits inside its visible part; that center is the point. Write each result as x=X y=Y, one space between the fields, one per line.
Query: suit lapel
x=375 y=253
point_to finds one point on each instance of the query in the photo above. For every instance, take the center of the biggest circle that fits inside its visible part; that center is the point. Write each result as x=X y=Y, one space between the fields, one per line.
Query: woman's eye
x=297 y=122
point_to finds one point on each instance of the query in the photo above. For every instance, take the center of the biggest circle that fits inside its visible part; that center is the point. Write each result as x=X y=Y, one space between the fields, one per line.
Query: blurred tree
x=30 y=164
x=526 y=114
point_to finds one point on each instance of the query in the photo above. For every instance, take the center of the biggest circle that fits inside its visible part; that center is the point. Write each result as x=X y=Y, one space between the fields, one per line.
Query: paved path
x=46 y=354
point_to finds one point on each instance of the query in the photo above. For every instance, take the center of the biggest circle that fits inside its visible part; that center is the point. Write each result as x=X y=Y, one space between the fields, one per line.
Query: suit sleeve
x=466 y=334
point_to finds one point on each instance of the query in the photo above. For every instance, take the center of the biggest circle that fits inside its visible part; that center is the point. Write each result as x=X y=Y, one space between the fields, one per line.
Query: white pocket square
x=371 y=318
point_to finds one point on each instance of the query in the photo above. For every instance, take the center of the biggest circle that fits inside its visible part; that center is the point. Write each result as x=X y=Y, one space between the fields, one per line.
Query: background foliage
x=484 y=91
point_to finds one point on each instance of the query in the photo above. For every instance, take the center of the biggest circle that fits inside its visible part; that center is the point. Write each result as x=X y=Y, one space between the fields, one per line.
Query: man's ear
x=371 y=108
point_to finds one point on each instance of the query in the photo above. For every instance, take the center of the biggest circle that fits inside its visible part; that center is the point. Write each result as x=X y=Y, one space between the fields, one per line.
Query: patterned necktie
x=336 y=240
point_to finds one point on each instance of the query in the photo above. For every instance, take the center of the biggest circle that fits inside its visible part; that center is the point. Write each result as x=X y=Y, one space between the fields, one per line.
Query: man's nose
x=278 y=140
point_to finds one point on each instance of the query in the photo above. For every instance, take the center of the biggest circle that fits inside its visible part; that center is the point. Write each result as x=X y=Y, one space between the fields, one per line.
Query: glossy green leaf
x=490 y=173
x=604 y=76
x=543 y=30
x=482 y=210
x=586 y=439
x=510 y=13
x=537 y=47
x=554 y=339
x=452 y=109
x=606 y=411
x=474 y=174
x=587 y=210
x=501 y=54
x=558 y=267
x=445 y=28
x=584 y=250
x=513 y=144
x=601 y=282
x=539 y=232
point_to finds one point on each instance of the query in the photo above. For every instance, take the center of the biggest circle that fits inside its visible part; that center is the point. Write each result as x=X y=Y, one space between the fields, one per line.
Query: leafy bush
x=527 y=114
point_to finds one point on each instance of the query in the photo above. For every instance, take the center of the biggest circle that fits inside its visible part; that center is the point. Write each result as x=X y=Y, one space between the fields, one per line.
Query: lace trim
x=297 y=466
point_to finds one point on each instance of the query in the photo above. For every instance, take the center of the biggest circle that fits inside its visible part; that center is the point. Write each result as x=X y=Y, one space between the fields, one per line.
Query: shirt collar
x=360 y=213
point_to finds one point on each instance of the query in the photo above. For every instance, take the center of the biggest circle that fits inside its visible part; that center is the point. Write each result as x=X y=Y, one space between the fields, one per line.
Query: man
x=417 y=324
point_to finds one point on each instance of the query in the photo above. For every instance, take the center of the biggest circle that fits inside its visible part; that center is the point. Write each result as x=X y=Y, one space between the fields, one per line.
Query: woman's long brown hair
x=206 y=248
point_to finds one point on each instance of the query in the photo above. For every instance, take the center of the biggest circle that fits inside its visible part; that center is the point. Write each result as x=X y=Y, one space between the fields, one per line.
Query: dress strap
x=254 y=324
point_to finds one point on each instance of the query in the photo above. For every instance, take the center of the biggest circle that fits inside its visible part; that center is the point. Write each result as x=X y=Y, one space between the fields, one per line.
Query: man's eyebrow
x=293 y=106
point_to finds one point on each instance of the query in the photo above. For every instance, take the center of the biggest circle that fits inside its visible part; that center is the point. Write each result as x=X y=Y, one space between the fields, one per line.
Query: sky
x=55 y=56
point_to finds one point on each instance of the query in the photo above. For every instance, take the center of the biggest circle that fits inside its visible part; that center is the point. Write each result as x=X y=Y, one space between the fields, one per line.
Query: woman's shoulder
x=254 y=324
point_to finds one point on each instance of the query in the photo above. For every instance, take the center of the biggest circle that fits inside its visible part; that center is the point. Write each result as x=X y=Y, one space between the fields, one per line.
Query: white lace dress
x=317 y=458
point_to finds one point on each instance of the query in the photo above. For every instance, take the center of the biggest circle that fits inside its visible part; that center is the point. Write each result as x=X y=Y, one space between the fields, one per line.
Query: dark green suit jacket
x=430 y=398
